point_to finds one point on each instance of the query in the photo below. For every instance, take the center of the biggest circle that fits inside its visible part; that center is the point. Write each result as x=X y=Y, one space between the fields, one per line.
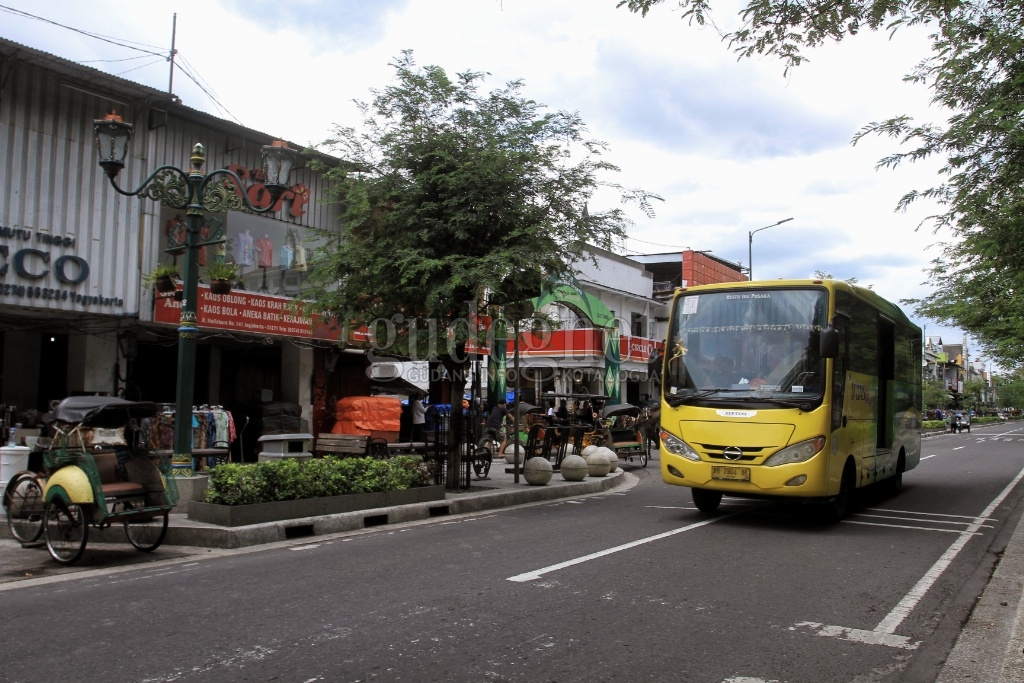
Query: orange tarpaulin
x=367 y=415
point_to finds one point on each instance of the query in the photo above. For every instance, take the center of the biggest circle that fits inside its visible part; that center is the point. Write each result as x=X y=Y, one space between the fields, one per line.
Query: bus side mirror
x=829 y=343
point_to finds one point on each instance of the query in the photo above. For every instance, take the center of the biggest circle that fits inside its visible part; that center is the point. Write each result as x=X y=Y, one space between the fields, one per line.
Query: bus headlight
x=676 y=446
x=798 y=452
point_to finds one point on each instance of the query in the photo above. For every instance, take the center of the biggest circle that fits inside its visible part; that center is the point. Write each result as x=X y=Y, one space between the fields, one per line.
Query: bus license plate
x=734 y=473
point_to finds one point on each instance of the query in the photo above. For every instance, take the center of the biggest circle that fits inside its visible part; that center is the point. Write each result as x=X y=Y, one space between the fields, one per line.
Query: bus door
x=885 y=399
x=861 y=393
x=844 y=425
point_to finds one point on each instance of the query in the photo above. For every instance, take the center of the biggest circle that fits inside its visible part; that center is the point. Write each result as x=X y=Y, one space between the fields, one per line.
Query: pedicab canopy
x=368 y=415
x=101 y=411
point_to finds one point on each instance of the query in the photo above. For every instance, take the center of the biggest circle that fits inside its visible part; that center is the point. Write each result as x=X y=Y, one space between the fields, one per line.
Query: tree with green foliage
x=934 y=394
x=1010 y=393
x=974 y=392
x=974 y=72
x=453 y=199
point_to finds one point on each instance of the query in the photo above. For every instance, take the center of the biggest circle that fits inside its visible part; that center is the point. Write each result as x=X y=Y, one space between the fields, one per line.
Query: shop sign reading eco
x=30 y=262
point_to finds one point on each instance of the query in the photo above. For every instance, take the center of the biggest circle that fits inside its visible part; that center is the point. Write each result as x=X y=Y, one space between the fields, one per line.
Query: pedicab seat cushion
x=110 y=481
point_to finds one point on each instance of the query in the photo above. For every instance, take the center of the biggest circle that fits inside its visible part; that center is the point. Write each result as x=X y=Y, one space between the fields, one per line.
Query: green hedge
x=291 y=479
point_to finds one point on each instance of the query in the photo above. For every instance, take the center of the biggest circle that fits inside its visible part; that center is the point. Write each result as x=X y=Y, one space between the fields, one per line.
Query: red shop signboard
x=241 y=311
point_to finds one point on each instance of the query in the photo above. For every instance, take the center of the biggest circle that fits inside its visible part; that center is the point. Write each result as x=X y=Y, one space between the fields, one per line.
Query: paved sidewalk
x=109 y=548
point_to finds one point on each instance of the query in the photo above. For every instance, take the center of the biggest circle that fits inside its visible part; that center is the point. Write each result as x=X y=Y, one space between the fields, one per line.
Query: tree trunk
x=456 y=367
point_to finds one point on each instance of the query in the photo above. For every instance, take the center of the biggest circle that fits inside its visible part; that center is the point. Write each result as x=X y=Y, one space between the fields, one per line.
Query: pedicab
x=622 y=430
x=489 y=447
x=86 y=484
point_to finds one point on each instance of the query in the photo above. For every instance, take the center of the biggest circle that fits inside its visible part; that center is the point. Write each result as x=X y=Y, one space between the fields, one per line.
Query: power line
x=655 y=244
x=190 y=72
x=118 y=41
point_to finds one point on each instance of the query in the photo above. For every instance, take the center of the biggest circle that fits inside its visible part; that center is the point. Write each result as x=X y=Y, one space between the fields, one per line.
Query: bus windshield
x=746 y=344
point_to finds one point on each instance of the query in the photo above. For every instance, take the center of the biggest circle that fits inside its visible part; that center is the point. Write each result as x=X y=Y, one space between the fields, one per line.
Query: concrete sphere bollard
x=569 y=449
x=537 y=471
x=574 y=468
x=613 y=458
x=597 y=464
x=510 y=453
x=588 y=450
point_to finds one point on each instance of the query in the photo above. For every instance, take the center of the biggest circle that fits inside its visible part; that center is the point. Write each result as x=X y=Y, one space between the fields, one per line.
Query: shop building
x=607 y=330
x=75 y=317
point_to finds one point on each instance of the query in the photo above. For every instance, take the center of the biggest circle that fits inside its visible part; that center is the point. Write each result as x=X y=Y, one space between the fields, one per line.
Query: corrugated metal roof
x=110 y=86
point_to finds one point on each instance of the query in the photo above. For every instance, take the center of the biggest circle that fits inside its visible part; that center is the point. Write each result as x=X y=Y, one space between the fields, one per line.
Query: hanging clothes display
x=211 y=428
x=286 y=256
x=265 y=252
x=245 y=249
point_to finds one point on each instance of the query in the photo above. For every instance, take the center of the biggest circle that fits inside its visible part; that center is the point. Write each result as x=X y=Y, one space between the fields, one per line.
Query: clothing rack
x=212 y=427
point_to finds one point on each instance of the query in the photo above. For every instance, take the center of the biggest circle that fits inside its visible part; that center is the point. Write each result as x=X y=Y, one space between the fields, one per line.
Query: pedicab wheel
x=645 y=450
x=23 y=500
x=146 y=534
x=66 y=531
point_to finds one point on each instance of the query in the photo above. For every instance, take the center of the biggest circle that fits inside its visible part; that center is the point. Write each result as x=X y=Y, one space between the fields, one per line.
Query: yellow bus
x=795 y=389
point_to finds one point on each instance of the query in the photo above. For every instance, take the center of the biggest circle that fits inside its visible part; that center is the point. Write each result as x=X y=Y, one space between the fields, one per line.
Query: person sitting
x=722 y=372
x=563 y=411
x=496 y=424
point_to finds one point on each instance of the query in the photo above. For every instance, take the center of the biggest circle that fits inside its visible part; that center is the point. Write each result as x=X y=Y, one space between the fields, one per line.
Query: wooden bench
x=350 y=446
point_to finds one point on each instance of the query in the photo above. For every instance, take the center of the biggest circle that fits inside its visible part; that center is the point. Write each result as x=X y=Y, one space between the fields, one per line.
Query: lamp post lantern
x=195 y=192
x=750 y=246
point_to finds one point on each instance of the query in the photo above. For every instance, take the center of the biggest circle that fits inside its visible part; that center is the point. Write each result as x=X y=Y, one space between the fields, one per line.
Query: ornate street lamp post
x=194 y=192
x=750 y=246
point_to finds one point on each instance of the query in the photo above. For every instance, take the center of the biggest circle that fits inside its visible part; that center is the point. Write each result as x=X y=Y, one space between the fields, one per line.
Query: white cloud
x=731 y=145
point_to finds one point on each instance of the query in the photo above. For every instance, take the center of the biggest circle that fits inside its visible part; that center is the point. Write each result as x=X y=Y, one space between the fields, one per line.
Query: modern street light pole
x=194 y=192
x=750 y=246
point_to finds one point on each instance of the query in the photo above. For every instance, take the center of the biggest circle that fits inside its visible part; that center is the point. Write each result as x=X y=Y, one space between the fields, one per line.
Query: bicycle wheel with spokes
x=23 y=501
x=146 y=534
x=482 y=462
x=66 y=531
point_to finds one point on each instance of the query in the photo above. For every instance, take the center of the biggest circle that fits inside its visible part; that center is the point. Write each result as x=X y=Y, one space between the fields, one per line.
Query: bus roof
x=869 y=295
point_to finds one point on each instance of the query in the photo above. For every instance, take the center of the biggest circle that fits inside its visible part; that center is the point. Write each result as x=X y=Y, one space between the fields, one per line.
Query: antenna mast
x=170 y=58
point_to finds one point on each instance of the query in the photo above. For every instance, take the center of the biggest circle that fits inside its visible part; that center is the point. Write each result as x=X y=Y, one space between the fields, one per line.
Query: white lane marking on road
x=914 y=519
x=958 y=448
x=537 y=573
x=906 y=526
x=312 y=546
x=932 y=514
x=748 y=679
x=929 y=456
x=909 y=602
x=857 y=635
x=883 y=634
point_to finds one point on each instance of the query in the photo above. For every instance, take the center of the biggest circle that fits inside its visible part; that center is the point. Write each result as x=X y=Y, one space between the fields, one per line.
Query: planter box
x=242 y=515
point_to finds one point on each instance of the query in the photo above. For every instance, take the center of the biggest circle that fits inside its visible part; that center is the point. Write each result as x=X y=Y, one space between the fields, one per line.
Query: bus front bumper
x=797 y=480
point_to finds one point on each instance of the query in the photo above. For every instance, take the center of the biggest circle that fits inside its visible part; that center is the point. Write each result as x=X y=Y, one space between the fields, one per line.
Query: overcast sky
x=732 y=146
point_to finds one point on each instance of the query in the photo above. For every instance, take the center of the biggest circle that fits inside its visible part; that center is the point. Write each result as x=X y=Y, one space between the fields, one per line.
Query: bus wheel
x=894 y=484
x=837 y=508
x=706 y=501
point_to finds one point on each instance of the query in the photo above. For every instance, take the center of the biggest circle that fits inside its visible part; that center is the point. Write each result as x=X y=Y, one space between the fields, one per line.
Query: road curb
x=185 y=532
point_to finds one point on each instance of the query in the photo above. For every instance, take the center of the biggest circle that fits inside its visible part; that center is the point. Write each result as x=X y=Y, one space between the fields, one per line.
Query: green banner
x=612 y=387
x=497 y=374
x=572 y=295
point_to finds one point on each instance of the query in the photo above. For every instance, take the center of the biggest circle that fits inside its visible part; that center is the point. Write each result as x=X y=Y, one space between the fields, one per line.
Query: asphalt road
x=631 y=585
